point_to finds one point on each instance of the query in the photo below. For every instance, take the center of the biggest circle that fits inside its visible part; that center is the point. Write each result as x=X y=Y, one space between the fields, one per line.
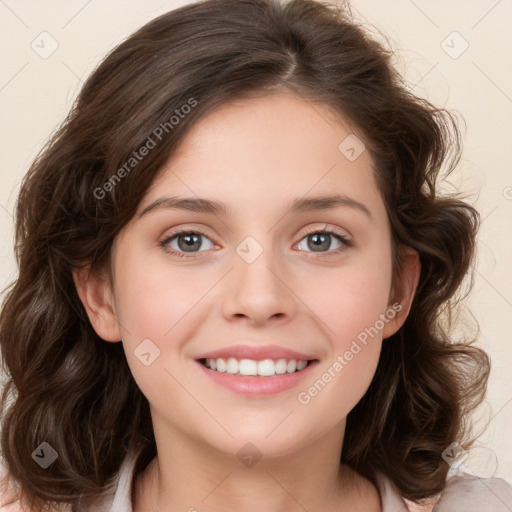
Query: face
x=266 y=267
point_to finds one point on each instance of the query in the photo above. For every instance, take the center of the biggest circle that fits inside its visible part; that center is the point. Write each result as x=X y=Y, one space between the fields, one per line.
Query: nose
x=260 y=291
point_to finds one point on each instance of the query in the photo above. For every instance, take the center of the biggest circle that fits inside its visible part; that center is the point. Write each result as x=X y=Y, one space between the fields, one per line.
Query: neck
x=187 y=475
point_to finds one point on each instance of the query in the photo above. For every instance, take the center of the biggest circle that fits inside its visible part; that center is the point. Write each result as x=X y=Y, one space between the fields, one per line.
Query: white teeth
x=232 y=365
x=264 y=368
x=281 y=366
x=292 y=366
x=248 y=367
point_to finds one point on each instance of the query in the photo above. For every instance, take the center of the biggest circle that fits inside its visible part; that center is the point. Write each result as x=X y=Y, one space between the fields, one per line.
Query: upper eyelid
x=204 y=231
x=329 y=229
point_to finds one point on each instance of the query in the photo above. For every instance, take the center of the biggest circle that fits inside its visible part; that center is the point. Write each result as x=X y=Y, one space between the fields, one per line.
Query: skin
x=255 y=156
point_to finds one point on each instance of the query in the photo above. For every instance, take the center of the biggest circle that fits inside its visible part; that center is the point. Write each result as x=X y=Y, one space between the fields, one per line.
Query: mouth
x=256 y=368
x=257 y=371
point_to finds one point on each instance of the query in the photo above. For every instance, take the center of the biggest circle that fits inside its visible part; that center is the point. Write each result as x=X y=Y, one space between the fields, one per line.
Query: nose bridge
x=254 y=262
x=256 y=288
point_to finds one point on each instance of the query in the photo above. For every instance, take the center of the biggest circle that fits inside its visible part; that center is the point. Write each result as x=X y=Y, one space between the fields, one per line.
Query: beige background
x=36 y=93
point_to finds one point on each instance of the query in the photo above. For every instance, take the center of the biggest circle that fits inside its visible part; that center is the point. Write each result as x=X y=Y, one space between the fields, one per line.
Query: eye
x=185 y=241
x=321 y=241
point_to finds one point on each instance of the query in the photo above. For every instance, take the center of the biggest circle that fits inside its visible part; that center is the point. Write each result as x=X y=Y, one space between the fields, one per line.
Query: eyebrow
x=203 y=205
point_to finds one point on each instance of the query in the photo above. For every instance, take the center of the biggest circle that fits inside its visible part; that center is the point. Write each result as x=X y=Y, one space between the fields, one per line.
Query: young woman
x=234 y=278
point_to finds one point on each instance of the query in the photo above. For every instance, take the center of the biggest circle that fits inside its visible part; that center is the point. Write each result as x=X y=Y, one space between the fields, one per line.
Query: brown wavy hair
x=68 y=387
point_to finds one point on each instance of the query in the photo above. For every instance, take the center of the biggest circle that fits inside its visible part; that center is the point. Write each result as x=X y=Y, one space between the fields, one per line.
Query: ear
x=96 y=295
x=403 y=290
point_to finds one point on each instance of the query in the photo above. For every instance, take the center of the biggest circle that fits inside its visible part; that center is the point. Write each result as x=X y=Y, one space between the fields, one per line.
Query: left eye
x=320 y=240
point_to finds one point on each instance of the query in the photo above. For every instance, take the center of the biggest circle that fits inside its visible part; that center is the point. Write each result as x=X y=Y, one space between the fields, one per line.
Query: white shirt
x=465 y=493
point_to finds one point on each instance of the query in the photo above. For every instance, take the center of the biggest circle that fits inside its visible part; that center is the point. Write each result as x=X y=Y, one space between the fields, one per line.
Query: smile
x=256 y=370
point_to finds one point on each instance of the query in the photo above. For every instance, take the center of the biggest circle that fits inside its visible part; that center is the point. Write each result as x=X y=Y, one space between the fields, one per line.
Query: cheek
x=352 y=299
x=352 y=319
x=157 y=302
x=153 y=298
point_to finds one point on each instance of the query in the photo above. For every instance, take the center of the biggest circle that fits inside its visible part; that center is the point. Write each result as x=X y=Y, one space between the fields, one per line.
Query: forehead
x=268 y=149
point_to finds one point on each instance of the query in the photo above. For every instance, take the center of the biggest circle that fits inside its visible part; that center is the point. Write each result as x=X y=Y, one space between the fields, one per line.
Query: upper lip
x=256 y=352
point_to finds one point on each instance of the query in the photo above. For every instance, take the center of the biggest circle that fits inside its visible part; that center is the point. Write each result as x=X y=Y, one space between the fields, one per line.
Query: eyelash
x=346 y=243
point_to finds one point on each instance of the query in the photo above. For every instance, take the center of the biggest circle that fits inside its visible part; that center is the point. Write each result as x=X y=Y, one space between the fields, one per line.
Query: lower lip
x=257 y=386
